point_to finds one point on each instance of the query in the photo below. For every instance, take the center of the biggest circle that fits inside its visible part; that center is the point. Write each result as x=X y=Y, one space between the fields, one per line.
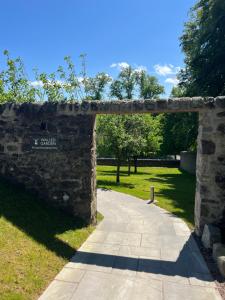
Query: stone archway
x=50 y=149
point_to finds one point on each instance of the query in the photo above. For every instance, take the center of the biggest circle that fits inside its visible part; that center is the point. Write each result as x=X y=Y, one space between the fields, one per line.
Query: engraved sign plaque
x=44 y=143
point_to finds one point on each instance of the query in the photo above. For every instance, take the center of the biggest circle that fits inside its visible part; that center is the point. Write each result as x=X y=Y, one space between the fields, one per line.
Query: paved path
x=138 y=252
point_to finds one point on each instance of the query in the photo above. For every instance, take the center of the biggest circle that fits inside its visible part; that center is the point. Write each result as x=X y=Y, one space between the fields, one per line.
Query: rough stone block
x=197 y=102
x=162 y=104
x=221 y=265
x=211 y=234
x=150 y=105
x=219 y=257
x=221 y=128
x=220 y=102
x=208 y=147
x=218 y=250
x=221 y=114
x=220 y=180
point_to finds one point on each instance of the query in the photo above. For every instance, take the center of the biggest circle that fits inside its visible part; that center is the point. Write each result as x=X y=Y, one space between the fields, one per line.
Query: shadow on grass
x=179 y=189
x=37 y=219
x=183 y=204
x=122 y=173
x=105 y=184
x=176 y=191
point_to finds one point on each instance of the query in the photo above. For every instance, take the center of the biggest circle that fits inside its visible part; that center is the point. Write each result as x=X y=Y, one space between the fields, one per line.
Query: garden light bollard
x=152 y=195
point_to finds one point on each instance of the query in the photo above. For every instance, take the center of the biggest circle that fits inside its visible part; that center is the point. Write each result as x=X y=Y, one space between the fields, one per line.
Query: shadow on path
x=188 y=264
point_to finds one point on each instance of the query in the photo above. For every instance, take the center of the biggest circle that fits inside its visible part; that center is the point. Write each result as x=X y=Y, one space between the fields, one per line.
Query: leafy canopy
x=203 y=43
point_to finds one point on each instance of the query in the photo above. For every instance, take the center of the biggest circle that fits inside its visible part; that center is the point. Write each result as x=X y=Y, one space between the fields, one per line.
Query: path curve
x=138 y=251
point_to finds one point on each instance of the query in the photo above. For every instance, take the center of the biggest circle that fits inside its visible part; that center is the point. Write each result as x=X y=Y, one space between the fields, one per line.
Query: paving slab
x=138 y=251
x=176 y=291
x=60 y=290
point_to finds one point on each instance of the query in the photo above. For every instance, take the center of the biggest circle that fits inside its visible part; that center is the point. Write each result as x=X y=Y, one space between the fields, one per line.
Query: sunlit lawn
x=174 y=189
x=35 y=243
x=36 y=240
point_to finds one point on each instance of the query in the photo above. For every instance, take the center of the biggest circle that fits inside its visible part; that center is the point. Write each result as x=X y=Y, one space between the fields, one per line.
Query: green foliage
x=111 y=136
x=149 y=86
x=124 y=86
x=62 y=85
x=203 y=42
x=52 y=88
x=131 y=80
x=127 y=137
x=144 y=135
x=94 y=87
x=14 y=84
x=178 y=91
x=179 y=130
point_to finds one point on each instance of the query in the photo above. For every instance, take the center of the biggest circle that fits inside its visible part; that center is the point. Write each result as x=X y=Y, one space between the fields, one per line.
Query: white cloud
x=39 y=83
x=167 y=69
x=172 y=80
x=36 y=83
x=80 y=79
x=120 y=65
x=140 y=69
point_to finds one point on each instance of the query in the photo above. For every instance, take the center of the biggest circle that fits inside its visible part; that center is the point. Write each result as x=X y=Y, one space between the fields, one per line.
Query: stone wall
x=188 y=161
x=146 y=162
x=51 y=155
x=50 y=149
x=210 y=186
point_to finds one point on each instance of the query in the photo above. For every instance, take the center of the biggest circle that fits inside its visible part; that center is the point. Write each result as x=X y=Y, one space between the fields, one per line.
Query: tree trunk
x=129 y=163
x=118 y=172
x=135 y=165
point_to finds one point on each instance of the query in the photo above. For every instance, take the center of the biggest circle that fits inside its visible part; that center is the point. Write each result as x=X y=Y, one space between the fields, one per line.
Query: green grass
x=175 y=190
x=35 y=243
x=36 y=240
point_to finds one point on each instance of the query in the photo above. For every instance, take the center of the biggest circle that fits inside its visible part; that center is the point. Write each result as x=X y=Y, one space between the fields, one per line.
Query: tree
x=138 y=128
x=149 y=86
x=62 y=85
x=14 y=84
x=203 y=43
x=125 y=137
x=143 y=137
x=179 y=129
x=113 y=137
x=94 y=87
x=124 y=86
x=65 y=85
x=178 y=92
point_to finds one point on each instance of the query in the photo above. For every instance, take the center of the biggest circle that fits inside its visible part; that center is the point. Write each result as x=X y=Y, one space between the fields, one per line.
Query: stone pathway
x=138 y=252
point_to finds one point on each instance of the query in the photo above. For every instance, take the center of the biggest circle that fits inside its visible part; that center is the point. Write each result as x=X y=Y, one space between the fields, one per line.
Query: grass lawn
x=174 y=189
x=35 y=243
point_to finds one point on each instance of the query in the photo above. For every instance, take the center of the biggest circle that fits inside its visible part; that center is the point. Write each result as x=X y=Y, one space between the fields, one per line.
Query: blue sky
x=139 y=32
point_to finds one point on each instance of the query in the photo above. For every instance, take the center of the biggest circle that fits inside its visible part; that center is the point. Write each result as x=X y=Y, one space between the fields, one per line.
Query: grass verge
x=35 y=243
x=174 y=189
